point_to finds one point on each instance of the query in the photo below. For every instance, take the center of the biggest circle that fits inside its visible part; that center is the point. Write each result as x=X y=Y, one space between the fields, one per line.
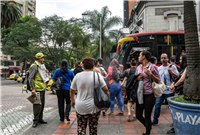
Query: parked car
x=12 y=76
x=19 y=79
x=49 y=86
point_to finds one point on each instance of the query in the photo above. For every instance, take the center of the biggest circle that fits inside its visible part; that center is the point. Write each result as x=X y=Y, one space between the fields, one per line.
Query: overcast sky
x=74 y=8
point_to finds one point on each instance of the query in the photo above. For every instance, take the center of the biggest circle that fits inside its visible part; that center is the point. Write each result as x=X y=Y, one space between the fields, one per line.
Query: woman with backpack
x=127 y=74
x=64 y=94
x=115 y=88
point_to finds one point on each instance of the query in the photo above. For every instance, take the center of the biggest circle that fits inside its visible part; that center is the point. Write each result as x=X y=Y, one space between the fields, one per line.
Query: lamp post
x=100 y=34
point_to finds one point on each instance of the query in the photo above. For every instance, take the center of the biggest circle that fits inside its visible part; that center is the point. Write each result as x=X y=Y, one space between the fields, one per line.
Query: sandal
x=134 y=117
x=129 y=118
x=111 y=114
x=119 y=114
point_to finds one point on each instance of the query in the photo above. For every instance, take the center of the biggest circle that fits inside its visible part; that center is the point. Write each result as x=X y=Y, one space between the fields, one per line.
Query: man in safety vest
x=37 y=85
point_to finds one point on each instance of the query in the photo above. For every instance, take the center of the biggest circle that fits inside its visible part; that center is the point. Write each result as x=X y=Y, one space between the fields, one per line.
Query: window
x=161 y=39
x=17 y=64
x=172 y=22
x=12 y=58
x=6 y=63
x=181 y=39
x=11 y=63
x=174 y=39
x=5 y=58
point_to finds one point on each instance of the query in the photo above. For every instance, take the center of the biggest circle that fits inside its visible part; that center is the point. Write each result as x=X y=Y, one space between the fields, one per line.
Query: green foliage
x=92 y=19
x=181 y=99
x=10 y=13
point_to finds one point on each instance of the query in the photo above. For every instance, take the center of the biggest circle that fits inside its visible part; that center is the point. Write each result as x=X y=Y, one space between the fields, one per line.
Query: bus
x=169 y=42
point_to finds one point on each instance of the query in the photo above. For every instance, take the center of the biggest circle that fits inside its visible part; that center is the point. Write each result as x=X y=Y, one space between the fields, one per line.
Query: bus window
x=122 y=52
x=174 y=39
x=181 y=39
x=176 y=53
x=161 y=39
x=163 y=49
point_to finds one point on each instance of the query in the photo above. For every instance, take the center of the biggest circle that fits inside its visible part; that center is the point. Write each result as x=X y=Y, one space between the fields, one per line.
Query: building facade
x=8 y=63
x=28 y=7
x=128 y=5
x=149 y=16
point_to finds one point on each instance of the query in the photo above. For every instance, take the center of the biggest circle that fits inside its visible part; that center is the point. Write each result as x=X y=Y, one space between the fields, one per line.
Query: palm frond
x=112 y=21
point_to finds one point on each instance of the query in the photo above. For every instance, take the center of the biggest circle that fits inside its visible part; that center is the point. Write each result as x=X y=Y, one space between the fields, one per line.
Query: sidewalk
x=117 y=125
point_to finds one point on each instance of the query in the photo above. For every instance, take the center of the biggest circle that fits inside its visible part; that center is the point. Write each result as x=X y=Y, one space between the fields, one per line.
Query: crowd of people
x=78 y=88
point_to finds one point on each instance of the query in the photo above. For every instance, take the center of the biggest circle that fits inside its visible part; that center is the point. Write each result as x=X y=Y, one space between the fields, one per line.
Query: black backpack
x=172 y=78
x=26 y=85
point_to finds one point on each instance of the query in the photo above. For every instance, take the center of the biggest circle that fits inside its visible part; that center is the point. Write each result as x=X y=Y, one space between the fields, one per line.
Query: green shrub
x=181 y=99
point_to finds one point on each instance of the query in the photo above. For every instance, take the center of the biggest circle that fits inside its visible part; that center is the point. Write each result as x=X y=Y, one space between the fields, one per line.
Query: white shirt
x=83 y=82
x=165 y=76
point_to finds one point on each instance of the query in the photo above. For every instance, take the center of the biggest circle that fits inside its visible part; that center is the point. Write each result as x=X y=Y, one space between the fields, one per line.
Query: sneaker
x=154 y=122
x=129 y=118
x=119 y=114
x=171 y=131
x=67 y=118
x=111 y=114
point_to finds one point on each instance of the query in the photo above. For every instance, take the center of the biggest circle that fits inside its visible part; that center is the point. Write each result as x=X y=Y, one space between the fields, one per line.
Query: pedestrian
x=64 y=94
x=84 y=104
x=183 y=69
x=23 y=76
x=164 y=71
x=78 y=67
x=95 y=69
x=153 y=60
x=173 y=62
x=115 y=87
x=104 y=74
x=37 y=85
x=128 y=73
x=148 y=96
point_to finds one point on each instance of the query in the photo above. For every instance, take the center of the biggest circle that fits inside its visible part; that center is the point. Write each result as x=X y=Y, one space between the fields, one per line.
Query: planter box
x=186 y=117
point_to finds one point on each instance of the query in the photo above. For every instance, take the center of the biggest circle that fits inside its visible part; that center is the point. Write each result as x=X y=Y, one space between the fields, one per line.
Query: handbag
x=123 y=85
x=57 y=85
x=101 y=100
x=158 y=88
x=180 y=87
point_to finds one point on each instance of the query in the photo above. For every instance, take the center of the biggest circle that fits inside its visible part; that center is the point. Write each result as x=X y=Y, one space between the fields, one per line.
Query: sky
x=74 y=8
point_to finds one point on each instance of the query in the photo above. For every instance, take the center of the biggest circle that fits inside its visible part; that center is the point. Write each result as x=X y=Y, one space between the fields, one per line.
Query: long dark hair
x=147 y=55
x=64 y=66
x=183 y=64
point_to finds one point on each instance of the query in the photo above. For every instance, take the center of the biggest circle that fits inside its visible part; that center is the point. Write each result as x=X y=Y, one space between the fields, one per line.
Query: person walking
x=115 y=87
x=64 y=94
x=84 y=103
x=164 y=71
x=173 y=62
x=127 y=74
x=37 y=85
x=183 y=69
x=148 y=96
x=23 y=76
x=78 y=67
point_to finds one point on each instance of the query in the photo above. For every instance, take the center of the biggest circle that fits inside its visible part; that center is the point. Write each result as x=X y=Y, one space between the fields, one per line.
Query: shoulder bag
x=101 y=100
x=123 y=85
x=158 y=88
x=57 y=85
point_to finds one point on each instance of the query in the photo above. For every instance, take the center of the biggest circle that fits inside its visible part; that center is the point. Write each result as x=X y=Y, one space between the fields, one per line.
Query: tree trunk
x=191 y=88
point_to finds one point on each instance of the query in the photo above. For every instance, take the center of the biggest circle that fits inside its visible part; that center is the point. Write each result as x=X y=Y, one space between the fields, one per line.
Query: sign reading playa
x=194 y=120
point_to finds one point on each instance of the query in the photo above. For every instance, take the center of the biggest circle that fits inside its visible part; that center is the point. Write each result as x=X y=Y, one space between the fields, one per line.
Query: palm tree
x=191 y=85
x=116 y=35
x=10 y=13
x=107 y=22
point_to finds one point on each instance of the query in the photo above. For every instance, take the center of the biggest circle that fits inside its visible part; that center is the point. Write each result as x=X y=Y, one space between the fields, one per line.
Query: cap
x=39 y=55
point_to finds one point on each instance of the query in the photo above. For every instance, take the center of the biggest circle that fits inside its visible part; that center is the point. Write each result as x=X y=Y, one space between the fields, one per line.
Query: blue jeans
x=158 y=104
x=116 y=91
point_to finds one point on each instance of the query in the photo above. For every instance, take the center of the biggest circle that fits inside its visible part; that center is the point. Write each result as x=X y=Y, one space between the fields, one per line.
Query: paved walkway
x=117 y=125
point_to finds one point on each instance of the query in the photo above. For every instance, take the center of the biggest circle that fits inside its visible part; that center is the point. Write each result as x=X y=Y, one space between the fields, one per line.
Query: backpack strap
x=171 y=79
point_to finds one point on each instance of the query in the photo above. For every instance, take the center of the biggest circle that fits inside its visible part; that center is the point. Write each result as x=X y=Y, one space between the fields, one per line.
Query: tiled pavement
x=118 y=125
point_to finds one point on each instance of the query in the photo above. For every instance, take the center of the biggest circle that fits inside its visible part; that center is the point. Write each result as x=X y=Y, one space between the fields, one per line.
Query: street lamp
x=100 y=33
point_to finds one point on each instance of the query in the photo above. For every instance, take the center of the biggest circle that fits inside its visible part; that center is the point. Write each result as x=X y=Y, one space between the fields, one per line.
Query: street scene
x=126 y=67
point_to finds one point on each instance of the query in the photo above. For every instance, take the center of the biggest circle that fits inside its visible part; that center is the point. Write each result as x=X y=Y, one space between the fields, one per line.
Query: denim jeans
x=158 y=104
x=116 y=91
